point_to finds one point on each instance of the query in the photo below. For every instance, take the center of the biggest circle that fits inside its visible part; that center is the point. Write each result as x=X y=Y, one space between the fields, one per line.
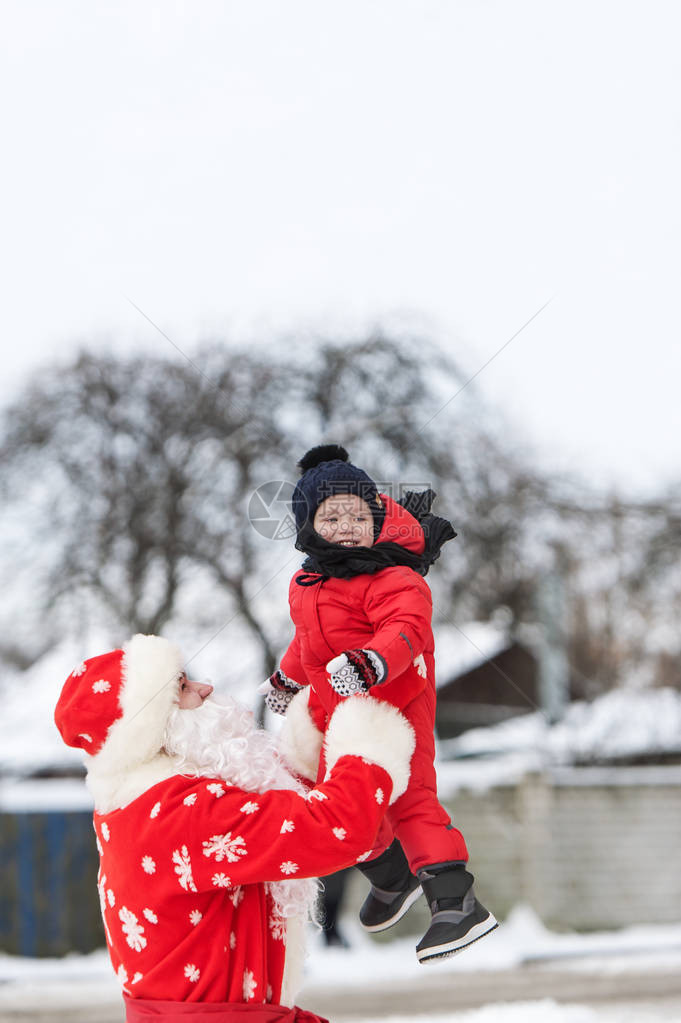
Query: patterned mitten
x=356 y=671
x=278 y=691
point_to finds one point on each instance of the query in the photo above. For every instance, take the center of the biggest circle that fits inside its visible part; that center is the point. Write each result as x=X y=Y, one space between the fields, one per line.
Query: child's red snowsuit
x=390 y=612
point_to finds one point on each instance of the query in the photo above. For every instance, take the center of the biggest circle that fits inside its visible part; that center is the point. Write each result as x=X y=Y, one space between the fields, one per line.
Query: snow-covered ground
x=521 y=939
x=391 y=967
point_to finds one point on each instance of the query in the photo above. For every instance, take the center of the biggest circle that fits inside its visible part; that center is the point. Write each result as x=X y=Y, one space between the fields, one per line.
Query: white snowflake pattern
x=106 y=834
x=220 y=881
x=148 y=865
x=195 y=917
x=151 y=916
x=316 y=794
x=137 y=978
x=101 y=686
x=190 y=799
x=236 y=896
x=278 y=928
x=192 y=972
x=232 y=941
x=287 y=827
x=122 y=974
x=79 y=669
x=250 y=984
x=101 y=889
x=364 y=856
x=249 y=807
x=99 y=845
x=155 y=810
x=288 y=867
x=379 y=796
x=340 y=833
x=85 y=735
x=216 y=789
x=224 y=847
x=111 y=897
x=183 y=869
x=132 y=928
x=420 y=665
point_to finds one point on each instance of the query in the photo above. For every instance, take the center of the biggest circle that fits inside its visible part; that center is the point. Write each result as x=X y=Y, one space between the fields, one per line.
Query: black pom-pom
x=322 y=453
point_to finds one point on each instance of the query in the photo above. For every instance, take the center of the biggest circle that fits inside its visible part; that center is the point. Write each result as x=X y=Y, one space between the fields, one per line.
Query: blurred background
x=445 y=235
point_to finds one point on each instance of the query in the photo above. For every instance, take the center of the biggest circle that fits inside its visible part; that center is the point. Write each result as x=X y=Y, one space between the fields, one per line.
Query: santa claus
x=207 y=841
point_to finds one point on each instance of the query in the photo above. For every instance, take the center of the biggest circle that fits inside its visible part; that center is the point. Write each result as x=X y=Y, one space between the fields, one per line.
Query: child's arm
x=400 y=608
x=284 y=683
x=291 y=664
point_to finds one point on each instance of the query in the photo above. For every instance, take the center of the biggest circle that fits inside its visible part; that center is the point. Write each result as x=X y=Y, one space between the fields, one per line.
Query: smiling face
x=345 y=519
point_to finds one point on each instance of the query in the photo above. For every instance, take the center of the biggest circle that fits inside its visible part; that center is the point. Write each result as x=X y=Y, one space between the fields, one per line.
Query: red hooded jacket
x=389 y=611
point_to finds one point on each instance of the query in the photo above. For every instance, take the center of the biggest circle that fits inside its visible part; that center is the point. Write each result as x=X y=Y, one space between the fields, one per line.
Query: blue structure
x=48 y=883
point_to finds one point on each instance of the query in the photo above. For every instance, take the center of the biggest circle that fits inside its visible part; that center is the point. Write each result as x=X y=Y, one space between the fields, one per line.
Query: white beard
x=221 y=740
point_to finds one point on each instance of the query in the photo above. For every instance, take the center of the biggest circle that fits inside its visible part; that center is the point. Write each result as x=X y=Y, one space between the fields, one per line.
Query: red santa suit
x=390 y=612
x=189 y=865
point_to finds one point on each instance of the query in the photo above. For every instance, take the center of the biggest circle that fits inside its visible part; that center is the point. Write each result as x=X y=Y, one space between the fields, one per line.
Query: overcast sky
x=244 y=167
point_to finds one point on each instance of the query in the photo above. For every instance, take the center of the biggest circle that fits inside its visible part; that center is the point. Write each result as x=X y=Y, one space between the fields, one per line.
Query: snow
x=458 y=650
x=28 y=796
x=29 y=740
x=620 y=723
x=392 y=966
x=521 y=939
x=545 y=1010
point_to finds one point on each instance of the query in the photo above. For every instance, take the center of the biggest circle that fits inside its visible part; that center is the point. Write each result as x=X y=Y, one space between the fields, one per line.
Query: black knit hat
x=326 y=470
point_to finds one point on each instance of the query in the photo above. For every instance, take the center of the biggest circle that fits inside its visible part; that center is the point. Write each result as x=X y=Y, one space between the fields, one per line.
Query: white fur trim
x=376 y=731
x=151 y=667
x=112 y=790
x=292 y=980
x=300 y=740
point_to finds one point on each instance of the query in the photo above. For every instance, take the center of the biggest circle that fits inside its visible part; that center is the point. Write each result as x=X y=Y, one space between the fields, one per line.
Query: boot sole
x=406 y=905
x=452 y=947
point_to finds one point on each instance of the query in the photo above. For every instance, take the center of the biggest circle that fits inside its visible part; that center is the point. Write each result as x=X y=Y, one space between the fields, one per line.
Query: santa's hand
x=356 y=671
x=278 y=691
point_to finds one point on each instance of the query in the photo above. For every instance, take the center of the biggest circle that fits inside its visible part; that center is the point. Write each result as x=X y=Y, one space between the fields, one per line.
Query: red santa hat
x=116 y=706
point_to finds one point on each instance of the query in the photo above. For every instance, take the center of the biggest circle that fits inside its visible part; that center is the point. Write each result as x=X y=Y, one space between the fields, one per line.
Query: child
x=362 y=614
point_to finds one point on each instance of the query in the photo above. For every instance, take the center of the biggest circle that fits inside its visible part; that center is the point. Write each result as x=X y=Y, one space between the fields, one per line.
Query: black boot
x=458 y=918
x=393 y=889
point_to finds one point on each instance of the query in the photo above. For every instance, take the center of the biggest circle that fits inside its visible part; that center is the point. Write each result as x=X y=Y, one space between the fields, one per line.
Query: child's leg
x=393 y=889
x=437 y=854
x=421 y=823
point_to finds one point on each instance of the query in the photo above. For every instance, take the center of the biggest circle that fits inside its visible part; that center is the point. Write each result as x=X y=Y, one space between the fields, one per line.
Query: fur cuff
x=376 y=731
x=300 y=740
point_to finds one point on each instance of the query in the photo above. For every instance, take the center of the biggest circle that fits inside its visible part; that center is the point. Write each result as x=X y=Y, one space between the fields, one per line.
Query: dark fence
x=48 y=884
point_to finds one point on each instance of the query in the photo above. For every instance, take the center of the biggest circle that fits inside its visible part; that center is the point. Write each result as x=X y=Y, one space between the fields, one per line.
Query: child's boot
x=458 y=918
x=393 y=889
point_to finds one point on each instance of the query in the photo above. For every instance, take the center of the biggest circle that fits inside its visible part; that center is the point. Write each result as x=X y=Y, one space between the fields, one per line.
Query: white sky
x=451 y=164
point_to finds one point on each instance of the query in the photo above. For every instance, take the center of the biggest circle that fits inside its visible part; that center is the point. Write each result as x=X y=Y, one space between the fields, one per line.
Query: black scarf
x=329 y=560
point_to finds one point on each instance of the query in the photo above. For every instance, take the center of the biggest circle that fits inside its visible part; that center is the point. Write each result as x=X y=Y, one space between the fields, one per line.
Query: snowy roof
x=460 y=648
x=621 y=723
x=29 y=740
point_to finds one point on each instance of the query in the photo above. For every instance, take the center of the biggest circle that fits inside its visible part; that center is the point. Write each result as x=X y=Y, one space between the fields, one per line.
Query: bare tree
x=133 y=480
